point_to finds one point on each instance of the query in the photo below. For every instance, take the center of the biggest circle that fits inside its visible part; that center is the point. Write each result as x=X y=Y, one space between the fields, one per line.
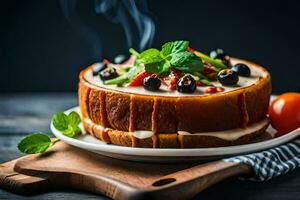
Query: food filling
x=175 y=69
x=229 y=135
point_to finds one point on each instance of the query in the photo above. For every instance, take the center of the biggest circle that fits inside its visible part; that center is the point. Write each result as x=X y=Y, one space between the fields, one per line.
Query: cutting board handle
x=185 y=184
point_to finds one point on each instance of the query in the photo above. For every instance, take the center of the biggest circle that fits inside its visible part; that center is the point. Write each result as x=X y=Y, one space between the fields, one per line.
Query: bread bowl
x=135 y=117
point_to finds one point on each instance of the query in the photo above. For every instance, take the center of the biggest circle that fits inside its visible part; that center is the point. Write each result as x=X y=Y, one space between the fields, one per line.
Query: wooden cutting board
x=65 y=166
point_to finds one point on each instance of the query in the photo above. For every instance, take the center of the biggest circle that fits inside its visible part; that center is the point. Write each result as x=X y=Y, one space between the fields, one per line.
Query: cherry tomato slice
x=138 y=80
x=284 y=112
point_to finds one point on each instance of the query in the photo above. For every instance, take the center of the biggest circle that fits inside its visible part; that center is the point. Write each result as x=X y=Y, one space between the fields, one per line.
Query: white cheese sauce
x=229 y=135
x=232 y=134
x=243 y=82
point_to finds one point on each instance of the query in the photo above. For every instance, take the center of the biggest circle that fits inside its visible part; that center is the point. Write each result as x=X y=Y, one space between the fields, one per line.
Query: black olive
x=151 y=83
x=98 y=67
x=119 y=59
x=186 y=84
x=108 y=73
x=242 y=69
x=220 y=54
x=228 y=77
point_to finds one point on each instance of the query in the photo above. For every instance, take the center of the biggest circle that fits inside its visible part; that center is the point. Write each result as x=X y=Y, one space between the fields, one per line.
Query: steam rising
x=132 y=15
x=90 y=35
x=138 y=34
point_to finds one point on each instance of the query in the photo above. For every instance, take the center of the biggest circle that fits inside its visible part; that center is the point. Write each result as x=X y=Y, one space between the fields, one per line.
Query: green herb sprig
x=215 y=62
x=40 y=142
x=36 y=143
x=67 y=124
x=172 y=54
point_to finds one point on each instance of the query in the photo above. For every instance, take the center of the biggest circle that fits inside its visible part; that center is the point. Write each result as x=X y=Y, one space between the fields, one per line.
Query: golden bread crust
x=125 y=112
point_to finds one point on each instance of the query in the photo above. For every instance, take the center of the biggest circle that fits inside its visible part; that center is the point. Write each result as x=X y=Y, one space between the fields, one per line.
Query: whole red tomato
x=284 y=112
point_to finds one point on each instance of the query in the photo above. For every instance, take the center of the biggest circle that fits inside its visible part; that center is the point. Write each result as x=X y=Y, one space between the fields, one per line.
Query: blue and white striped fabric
x=272 y=162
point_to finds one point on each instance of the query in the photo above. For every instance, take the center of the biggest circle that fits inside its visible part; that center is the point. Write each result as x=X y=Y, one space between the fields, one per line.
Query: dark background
x=41 y=51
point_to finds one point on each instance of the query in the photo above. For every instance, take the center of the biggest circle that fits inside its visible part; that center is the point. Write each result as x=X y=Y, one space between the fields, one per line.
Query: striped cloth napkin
x=272 y=162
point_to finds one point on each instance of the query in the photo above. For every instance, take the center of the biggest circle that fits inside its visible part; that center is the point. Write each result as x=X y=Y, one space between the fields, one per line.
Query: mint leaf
x=35 y=143
x=71 y=131
x=149 y=56
x=67 y=124
x=60 y=121
x=172 y=54
x=74 y=118
x=187 y=62
x=73 y=122
x=174 y=47
x=40 y=142
x=161 y=67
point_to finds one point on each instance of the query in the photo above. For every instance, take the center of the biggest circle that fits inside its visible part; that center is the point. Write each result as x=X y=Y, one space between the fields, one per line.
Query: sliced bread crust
x=125 y=112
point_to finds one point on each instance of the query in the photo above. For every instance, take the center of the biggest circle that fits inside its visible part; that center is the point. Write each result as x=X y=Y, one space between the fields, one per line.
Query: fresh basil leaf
x=187 y=62
x=74 y=119
x=35 y=143
x=174 y=47
x=149 y=56
x=60 y=121
x=161 y=67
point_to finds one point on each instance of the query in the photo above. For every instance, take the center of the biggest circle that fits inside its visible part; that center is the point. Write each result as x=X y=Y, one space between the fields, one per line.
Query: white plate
x=90 y=143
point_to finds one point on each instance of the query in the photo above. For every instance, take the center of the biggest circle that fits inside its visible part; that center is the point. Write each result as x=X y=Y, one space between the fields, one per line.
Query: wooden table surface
x=24 y=113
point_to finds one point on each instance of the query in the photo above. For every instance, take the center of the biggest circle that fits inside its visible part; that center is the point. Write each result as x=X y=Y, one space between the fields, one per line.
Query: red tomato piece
x=210 y=90
x=199 y=84
x=138 y=80
x=213 y=90
x=208 y=70
x=105 y=61
x=284 y=112
x=175 y=76
x=220 y=89
x=172 y=85
x=191 y=49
